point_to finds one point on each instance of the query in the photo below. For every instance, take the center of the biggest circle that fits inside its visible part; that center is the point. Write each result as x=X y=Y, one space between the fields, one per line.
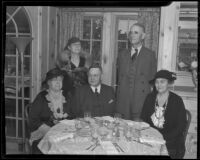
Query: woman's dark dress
x=70 y=82
x=175 y=122
x=40 y=113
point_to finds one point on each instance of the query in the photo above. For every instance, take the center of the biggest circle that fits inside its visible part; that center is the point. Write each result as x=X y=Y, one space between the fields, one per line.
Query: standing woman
x=48 y=108
x=165 y=111
x=75 y=63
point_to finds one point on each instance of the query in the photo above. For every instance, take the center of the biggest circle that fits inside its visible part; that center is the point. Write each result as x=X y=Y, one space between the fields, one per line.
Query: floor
x=14 y=148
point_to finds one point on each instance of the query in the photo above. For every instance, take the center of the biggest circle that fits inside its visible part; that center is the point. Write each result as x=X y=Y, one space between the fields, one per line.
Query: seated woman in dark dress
x=75 y=63
x=165 y=111
x=48 y=108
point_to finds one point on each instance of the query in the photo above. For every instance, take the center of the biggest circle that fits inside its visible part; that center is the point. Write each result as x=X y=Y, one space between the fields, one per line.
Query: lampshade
x=20 y=42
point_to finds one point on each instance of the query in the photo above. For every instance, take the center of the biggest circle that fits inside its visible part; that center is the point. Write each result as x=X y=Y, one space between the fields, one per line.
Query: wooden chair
x=28 y=147
x=188 y=118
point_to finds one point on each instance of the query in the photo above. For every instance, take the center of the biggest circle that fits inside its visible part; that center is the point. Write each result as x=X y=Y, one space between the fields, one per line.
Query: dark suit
x=99 y=105
x=133 y=81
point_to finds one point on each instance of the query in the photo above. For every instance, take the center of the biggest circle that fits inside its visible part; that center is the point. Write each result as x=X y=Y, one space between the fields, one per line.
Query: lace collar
x=56 y=105
x=158 y=117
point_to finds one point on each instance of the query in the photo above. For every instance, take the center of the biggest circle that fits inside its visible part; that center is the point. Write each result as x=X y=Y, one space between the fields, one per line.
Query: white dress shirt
x=98 y=88
x=133 y=50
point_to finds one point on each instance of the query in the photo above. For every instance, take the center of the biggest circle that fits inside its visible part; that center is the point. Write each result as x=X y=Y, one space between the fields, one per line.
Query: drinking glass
x=77 y=124
x=87 y=115
x=128 y=132
x=163 y=149
x=117 y=117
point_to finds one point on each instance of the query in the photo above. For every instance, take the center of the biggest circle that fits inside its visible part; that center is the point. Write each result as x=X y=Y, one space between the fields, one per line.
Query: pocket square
x=110 y=101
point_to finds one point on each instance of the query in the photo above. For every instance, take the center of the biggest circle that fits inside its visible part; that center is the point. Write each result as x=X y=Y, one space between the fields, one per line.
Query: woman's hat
x=171 y=76
x=72 y=40
x=55 y=72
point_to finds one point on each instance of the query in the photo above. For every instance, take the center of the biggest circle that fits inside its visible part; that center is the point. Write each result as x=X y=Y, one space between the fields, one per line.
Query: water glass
x=77 y=124
x=128 y=132
x=117 y=117
x=163 y=149
x=87 y=115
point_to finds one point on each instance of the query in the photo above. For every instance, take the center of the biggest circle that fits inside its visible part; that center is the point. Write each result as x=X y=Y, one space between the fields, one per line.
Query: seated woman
x=165 y=111
x=48 y=108
x=76 y=63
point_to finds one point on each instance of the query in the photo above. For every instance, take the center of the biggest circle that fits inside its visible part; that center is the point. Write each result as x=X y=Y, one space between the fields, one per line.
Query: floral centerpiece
x=193 y=68
x=190 y=64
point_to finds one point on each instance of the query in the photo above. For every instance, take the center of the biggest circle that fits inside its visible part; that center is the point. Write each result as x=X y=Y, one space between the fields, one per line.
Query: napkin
x=108 y=147
x=61 y=136
x=138 y=125
x=108 y=118
x=152 y=140
x=67 y=122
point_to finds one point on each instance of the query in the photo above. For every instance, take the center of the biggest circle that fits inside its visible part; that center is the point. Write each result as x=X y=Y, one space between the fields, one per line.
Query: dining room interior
x=36 y=35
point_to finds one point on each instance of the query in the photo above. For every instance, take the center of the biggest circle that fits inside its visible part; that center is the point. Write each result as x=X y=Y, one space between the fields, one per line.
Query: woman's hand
x=56 y=121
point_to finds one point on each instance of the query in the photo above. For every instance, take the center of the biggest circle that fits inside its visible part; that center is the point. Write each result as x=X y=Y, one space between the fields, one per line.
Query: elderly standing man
x=95 y=97
x=136 y=66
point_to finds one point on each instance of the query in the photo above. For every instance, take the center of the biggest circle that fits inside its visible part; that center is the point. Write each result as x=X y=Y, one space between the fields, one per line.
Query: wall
x=34 y=14
x=43 y=23
x=48 y=39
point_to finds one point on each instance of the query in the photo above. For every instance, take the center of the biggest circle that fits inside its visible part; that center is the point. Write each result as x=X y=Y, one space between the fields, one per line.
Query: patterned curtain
x=70 y=25
x=151 y=20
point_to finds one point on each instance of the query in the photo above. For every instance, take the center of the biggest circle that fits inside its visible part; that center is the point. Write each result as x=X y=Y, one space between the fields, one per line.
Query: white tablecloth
x=60 y=140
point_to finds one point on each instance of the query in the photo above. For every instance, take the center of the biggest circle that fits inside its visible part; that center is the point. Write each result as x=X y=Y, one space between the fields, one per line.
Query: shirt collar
x=139 y=48
x=98 y=88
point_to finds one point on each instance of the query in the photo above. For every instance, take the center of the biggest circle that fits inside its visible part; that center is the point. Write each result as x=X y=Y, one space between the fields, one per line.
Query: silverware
x=90 y=146
x=97 y=144
x=116 y=145
x=93 y=145
x=138 y=141
x=144 y=128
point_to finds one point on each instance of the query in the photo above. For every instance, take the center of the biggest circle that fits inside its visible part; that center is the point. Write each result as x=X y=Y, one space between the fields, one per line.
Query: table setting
x=103 y=135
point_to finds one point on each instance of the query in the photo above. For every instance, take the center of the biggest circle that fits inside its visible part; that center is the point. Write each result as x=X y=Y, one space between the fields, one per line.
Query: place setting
x=101 y=135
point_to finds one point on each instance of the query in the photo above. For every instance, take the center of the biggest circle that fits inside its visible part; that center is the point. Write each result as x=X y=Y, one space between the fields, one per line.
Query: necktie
x=96 y=92
x=134 y=55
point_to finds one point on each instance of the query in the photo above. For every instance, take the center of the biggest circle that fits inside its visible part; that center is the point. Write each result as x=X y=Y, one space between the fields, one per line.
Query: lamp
x=21 y=43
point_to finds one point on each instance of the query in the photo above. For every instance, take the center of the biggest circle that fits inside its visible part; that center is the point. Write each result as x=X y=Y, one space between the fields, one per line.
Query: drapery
x=150 y=20
x=71 y=24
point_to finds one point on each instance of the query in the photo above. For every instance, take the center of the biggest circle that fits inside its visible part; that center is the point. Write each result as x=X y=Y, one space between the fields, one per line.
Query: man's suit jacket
x=146 y=67
x=99 y=105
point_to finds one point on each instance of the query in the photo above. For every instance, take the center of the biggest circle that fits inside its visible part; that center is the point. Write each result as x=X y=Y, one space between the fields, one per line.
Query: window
x=187 y=36
x=17 y=24
x=92 y=36
x=124 y=24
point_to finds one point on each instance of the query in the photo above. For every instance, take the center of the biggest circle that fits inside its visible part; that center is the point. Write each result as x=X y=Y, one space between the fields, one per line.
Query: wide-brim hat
x=171 y=76
x=55 y=72
x=72 y=40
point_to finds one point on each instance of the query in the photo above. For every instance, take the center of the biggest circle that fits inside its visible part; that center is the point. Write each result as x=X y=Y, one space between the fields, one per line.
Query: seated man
x=95 y=97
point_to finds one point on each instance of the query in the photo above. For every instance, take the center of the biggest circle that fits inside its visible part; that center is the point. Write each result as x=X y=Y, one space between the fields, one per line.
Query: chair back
x=188 y=118
x=28 y=133
x=27 y=108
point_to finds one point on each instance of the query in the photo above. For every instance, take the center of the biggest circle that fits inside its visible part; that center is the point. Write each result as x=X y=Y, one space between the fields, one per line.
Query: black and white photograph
x=105 y=79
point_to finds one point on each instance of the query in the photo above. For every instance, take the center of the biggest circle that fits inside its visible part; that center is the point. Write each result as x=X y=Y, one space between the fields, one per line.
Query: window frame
x=184 y=78
x=18 y=117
